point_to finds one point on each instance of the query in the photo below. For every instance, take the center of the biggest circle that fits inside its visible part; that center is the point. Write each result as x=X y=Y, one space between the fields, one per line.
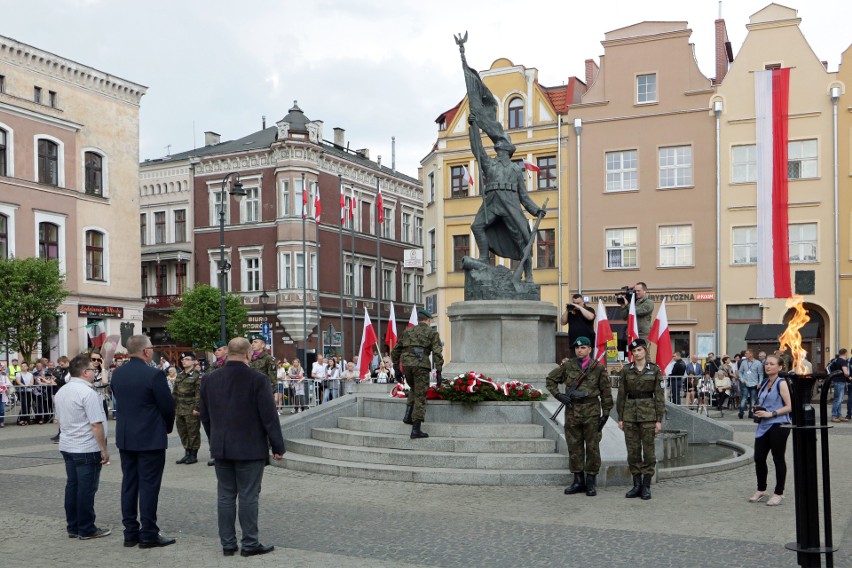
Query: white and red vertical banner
x=390 y=333
x=342 y=206
x=632 y=326
x=771 y=97
x=603 y=333
x=380 y=208
x=97 y=333
x=317 y=204
x=304 y=202
x=368 y=340
x=352 y=204
x=468 y=178
x=660 y=336
x=412 y=321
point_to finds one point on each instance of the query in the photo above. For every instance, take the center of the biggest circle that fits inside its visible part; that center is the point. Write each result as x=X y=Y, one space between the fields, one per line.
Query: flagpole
x=340 y=248
x=379 y=273
x=317 y=222
x=352 y=291
x=304 y=282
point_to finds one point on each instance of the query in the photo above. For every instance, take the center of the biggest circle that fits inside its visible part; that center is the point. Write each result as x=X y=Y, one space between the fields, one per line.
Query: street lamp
x=238 y=192
x=264 y=298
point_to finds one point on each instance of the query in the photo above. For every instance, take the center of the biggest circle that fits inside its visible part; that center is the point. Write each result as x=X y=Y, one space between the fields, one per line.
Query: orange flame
x=792 y=338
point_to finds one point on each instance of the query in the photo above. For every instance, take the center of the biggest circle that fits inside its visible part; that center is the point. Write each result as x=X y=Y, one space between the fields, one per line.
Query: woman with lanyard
x=771 y=412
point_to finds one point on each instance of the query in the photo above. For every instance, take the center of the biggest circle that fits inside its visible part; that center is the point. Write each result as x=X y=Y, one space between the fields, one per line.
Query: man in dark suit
x=241 y=422
x=147 y=417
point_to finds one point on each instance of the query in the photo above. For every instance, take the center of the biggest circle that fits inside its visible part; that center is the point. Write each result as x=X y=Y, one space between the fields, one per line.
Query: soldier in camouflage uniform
x=262 y=361
x=220 y=351
x=588 y=402
x=413 y=349
x=187 y=393
x=641 y=406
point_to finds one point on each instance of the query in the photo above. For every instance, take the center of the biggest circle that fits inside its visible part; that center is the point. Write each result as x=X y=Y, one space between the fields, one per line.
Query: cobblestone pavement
x=317 y=520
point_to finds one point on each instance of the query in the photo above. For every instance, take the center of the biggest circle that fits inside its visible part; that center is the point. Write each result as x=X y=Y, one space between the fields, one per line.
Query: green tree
x=32 y=291
x=196 y=321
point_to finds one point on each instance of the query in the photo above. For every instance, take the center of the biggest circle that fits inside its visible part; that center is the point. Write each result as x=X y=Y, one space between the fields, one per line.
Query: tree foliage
x=196 y=321
x=33 y=289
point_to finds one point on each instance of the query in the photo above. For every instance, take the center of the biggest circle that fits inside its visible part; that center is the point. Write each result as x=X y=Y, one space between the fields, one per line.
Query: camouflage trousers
x=584 y=445
x=418 y=380
x=639 y=437
x=189 y=430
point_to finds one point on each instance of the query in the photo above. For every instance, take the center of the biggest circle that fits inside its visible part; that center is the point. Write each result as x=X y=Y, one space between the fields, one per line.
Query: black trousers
x=775 y=441
x=142 y=474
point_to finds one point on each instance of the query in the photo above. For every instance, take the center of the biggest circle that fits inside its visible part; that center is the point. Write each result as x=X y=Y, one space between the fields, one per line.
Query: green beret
x=219 y=344
x=581 y=341
x=424 y=314
x=637 y=343
x=259 y=336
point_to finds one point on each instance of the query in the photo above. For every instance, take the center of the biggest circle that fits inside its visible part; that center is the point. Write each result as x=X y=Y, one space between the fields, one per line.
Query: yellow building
x=531 y=115
x=841 y=97
x=774 y=40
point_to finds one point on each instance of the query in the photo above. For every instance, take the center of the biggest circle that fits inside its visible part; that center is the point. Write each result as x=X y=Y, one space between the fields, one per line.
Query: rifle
x=573 y=390
x=528 y=247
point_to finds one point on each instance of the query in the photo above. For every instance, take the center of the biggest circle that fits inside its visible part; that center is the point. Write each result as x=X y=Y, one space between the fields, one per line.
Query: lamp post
x=263 y=299
x=224 y=266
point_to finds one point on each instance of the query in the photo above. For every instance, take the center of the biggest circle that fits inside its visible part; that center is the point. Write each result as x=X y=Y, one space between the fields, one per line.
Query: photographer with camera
x=772 y=410
x=580 y=320
x=644 y=306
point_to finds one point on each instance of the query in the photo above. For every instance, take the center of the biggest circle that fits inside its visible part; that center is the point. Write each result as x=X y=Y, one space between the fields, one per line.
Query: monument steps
x=402 y=441
x=479 y=431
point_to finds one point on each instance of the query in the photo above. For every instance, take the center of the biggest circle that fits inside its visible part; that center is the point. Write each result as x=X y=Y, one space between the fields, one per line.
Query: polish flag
x=662 y=338
x=771 y=96
x=530 y=167
x=368 y=340
x=632 y=326
x=467 y=176
x=342 y=206
x=412 y=321
x=380 y=210
x=317 y=205
x=603 y=333
x=97 y=333
x=352 y=203
x=390 y=333
x=304 y=202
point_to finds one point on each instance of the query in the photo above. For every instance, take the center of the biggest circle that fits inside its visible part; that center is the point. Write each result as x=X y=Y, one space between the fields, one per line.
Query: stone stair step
x=442 y=429
x=382 y=472
x=452 y=412
x=428 y=459
x=434 y=443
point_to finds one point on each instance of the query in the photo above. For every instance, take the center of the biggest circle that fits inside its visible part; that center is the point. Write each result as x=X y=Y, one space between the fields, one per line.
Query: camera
x=624 y=295
x=755 y=409
x=570 y=308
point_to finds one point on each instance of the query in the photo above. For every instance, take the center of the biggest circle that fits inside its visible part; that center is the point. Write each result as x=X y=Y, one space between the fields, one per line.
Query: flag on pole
x=97 y=333
x=304 y=202
x=380 y=210
x=771 y=96
x=603 y=333
x=352 y=203
x=468 y=178
x=342 y=206
x=390 y=333
x=632 y=325
x=368 y=340
x=317 y=205
x=530 y=167
x=412 y=321
x=660 y=336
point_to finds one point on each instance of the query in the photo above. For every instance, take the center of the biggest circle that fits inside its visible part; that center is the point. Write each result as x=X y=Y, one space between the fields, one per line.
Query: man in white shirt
x=83 y=446
x=319 y=371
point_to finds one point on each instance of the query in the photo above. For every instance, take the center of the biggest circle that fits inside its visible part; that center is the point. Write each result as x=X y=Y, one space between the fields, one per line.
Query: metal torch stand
x=807 y=546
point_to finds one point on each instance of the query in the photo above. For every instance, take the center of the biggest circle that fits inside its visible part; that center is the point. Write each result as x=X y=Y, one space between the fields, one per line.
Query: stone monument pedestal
x=507 y=339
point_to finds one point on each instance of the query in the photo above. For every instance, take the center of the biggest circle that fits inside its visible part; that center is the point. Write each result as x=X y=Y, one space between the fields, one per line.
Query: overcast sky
x=378 y=68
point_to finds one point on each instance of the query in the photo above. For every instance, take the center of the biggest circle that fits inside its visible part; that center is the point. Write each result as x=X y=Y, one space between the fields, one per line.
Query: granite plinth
x=483 y=281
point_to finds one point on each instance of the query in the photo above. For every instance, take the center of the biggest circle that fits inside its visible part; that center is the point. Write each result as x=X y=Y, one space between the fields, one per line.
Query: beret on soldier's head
x=582 y=341
x=220 y=344
x=257 y=336
x=423 y=313
x=637 y=343
x=189 y=354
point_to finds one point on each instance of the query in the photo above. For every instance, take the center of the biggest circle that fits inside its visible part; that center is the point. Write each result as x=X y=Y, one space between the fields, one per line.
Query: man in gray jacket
x=644 y=309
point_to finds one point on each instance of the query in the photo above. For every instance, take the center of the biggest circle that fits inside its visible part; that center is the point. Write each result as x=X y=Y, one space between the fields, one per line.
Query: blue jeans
x=83 y=472
x=839 y=391
x=748 y=393
x=238 y=478
x=331 y=392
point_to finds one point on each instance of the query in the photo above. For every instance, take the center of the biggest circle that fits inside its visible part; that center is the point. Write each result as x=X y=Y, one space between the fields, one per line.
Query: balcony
x=162 y=302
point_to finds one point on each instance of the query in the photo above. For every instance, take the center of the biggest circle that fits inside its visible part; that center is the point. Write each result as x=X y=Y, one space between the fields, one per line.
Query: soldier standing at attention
x=588 y=402
x=187 y=393
x=262 y=361
x=641 y=406
x=220 y=351
x=413 y=349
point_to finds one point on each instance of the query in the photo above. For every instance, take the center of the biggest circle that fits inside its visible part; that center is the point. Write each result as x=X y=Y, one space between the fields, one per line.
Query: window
x=388 y=285
x=284 y=198
x=181 y=277
x=251 y=274
x=418 y=289
x=432 y=187
x=144 y=282
x=143 y=228
x=94 y=255
x=349 y=222
x=300 y=267
x=621 y=248
x=159 y=227
x=180 y=225
x=48 y=162
x=2 y=83
x=162 y=280
x=418 y=230
x=744 y=245
x=622 y=170
x=461 y=248
x=37 y=94
x=433 y=259
x=676 y=166
x=387 y=226
x=646 y=88
x=313 y=283
x=3 y=158
x=516 y=113
x=744 y=163
x=300 y=207
x=48 y=240
x=94 y=173
x=406 y=286
x=547 y=175
x=348 y=279
x=406 y=228
x=4 y=236
x=676 y=245
x=51 y=98
x=251 y=205
x=216 y=274
x=802 y=159
x=546 y=248
x=458 y=182
x=220 y=204
x=286 y=280
x=803 y=242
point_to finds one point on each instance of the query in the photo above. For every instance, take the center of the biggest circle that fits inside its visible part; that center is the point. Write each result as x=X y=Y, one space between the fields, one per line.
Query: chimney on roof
x=339 y=137
x=724 y=55
x=379 y=161
x=591 y=71
x=363 y=153
x=211 y=138
x=264 y=121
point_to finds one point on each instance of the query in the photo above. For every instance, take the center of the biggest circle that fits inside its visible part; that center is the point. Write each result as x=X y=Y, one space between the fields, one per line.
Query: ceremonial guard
x=641 y=406
x=187 y=393
x=220 y=351
x=588 y=402
x=413 y=350
x=262 y=361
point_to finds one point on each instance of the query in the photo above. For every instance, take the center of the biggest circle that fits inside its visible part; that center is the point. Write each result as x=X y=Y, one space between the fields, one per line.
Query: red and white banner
x=97 y=333
x=412 y=321
x=530 y=167
x=352 y=204
x=632 y=323
x=603 y=333
x=317 y=205
x=662 y=338
x=342 y=206
x=380 y=208
x=368 y=340
x=771 y=96
x=390 y=333
x=468 y=178
x=304 y=201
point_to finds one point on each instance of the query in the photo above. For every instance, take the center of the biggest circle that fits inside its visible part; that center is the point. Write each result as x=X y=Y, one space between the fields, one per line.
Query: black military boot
x=591 y=484
x=192 y=457
x=646 y=487
x=409 y=408
x=184 y=458
x=578 y=485
x=637 y=488
x=416 y=432
x=211 y=461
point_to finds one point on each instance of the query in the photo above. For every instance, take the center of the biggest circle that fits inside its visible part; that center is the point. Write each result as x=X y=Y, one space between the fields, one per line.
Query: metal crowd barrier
x=292 y=396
